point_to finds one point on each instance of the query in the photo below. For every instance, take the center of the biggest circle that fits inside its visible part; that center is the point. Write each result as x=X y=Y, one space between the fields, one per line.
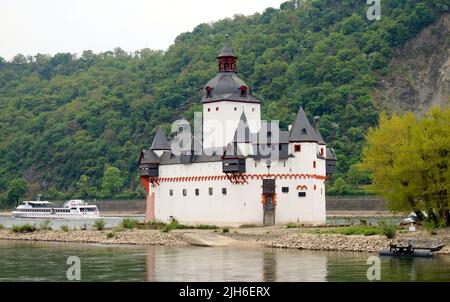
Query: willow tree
x=409 y=160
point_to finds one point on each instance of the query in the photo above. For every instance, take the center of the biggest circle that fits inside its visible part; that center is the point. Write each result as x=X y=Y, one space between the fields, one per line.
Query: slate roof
x=149 y=157
x=226 y=51
x=226 y=86
x=160 y=141
x=330 y=154
x=243 y=134
x=302 y=131
x=319 y=137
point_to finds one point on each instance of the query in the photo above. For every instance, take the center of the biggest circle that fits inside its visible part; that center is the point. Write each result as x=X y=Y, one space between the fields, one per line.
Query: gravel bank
x=135 y=237
x=275 y=237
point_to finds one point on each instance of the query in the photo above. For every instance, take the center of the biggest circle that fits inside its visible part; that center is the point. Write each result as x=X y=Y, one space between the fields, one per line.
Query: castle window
x=297 y=148
x=197 y=192
x=235 y=108
x=314 y=164
x=224 y=191
x=244 y=92
x=210 y=190
x=217 y=108
x=184 y=192
x=209 y=109
x=285 y=189
x=301 y=194
x=321 y=151
x=209 y=92
x=171 y=192
x=226 y=66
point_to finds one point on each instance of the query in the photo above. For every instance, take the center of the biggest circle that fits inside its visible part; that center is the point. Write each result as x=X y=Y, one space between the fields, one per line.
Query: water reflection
x=28 y=261
x=233 y=264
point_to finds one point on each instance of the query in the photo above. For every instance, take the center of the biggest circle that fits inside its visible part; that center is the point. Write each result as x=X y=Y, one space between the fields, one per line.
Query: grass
x=64 y=228
x=384 y=228
x=129 y=224
x=292 y=226
x=25 y=228
x=248 y=226
x=99 y=224
x=206 y=227
x=45 y=225
x=352 y=230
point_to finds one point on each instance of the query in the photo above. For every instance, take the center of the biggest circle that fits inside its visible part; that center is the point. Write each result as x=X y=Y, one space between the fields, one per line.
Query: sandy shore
x=276 y=237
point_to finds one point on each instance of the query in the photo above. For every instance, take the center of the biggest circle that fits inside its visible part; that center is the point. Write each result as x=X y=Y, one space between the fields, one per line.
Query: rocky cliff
x=419 y=74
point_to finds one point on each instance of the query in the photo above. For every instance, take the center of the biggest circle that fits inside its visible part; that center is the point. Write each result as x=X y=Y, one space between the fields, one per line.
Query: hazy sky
x=51 y=26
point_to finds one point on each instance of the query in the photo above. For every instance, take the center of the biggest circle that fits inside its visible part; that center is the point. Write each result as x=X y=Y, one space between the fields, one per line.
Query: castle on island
x=235 y=169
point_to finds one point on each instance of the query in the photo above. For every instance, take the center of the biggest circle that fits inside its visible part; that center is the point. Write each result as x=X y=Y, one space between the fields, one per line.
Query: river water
x=30 y=261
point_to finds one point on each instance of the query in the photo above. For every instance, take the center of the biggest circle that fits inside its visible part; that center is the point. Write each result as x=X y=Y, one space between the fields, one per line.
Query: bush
x=2 y=226
x=26 y=228
x=65 y=228
x=99 y=224
x=45 y=225
x=170 y=226
x=110 y=235
x=225 y=230
x=388 y=229
x=129 y=223
x=292 y=226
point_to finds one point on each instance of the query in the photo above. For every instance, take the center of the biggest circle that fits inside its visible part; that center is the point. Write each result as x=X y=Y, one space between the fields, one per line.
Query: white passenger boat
x=44 y=209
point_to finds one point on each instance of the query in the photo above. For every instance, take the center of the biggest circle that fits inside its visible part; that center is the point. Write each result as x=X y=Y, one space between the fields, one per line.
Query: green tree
x=16 y=190
x=112 y=182
x=83 y=186
x=409 y=160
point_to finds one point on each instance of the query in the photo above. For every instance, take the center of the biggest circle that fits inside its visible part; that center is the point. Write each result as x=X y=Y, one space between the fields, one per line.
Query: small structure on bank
x=239 y=170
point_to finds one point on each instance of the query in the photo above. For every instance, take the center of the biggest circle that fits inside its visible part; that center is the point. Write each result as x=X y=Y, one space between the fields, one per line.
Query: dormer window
x=209 y=92
x=304 y=131
x=243 y=91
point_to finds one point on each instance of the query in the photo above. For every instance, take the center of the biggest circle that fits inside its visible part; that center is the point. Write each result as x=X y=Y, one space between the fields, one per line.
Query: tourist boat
x=44 y=209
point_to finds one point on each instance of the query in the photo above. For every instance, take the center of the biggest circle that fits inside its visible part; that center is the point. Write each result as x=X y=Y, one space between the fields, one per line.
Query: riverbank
x=275 y=237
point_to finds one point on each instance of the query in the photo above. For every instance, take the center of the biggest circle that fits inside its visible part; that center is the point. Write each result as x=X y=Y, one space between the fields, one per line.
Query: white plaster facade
x=199 y=192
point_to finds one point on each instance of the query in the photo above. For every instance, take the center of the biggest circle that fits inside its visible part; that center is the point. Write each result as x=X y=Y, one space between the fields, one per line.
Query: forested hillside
x=65 y=119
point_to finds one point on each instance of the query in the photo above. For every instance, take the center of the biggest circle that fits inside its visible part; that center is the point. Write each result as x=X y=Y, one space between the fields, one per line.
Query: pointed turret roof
x=227 y=51
x=315 y=126
x=160 y=141
x=302 y=131
x=242 y=134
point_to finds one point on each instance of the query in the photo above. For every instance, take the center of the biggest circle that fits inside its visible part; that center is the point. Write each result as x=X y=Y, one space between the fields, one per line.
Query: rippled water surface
x=28 y=261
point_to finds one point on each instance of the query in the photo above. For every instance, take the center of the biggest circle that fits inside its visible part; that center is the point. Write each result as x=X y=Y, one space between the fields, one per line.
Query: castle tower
x=226 y=97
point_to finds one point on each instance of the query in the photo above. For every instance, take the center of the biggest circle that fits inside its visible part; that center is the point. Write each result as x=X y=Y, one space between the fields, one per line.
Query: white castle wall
x=220 y=126
x=242 y=203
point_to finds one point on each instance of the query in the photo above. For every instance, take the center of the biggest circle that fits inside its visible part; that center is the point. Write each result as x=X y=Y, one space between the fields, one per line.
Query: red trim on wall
x=245 y=176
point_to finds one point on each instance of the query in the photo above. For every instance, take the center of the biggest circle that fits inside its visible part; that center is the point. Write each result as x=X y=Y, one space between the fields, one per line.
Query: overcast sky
x=51 y=26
